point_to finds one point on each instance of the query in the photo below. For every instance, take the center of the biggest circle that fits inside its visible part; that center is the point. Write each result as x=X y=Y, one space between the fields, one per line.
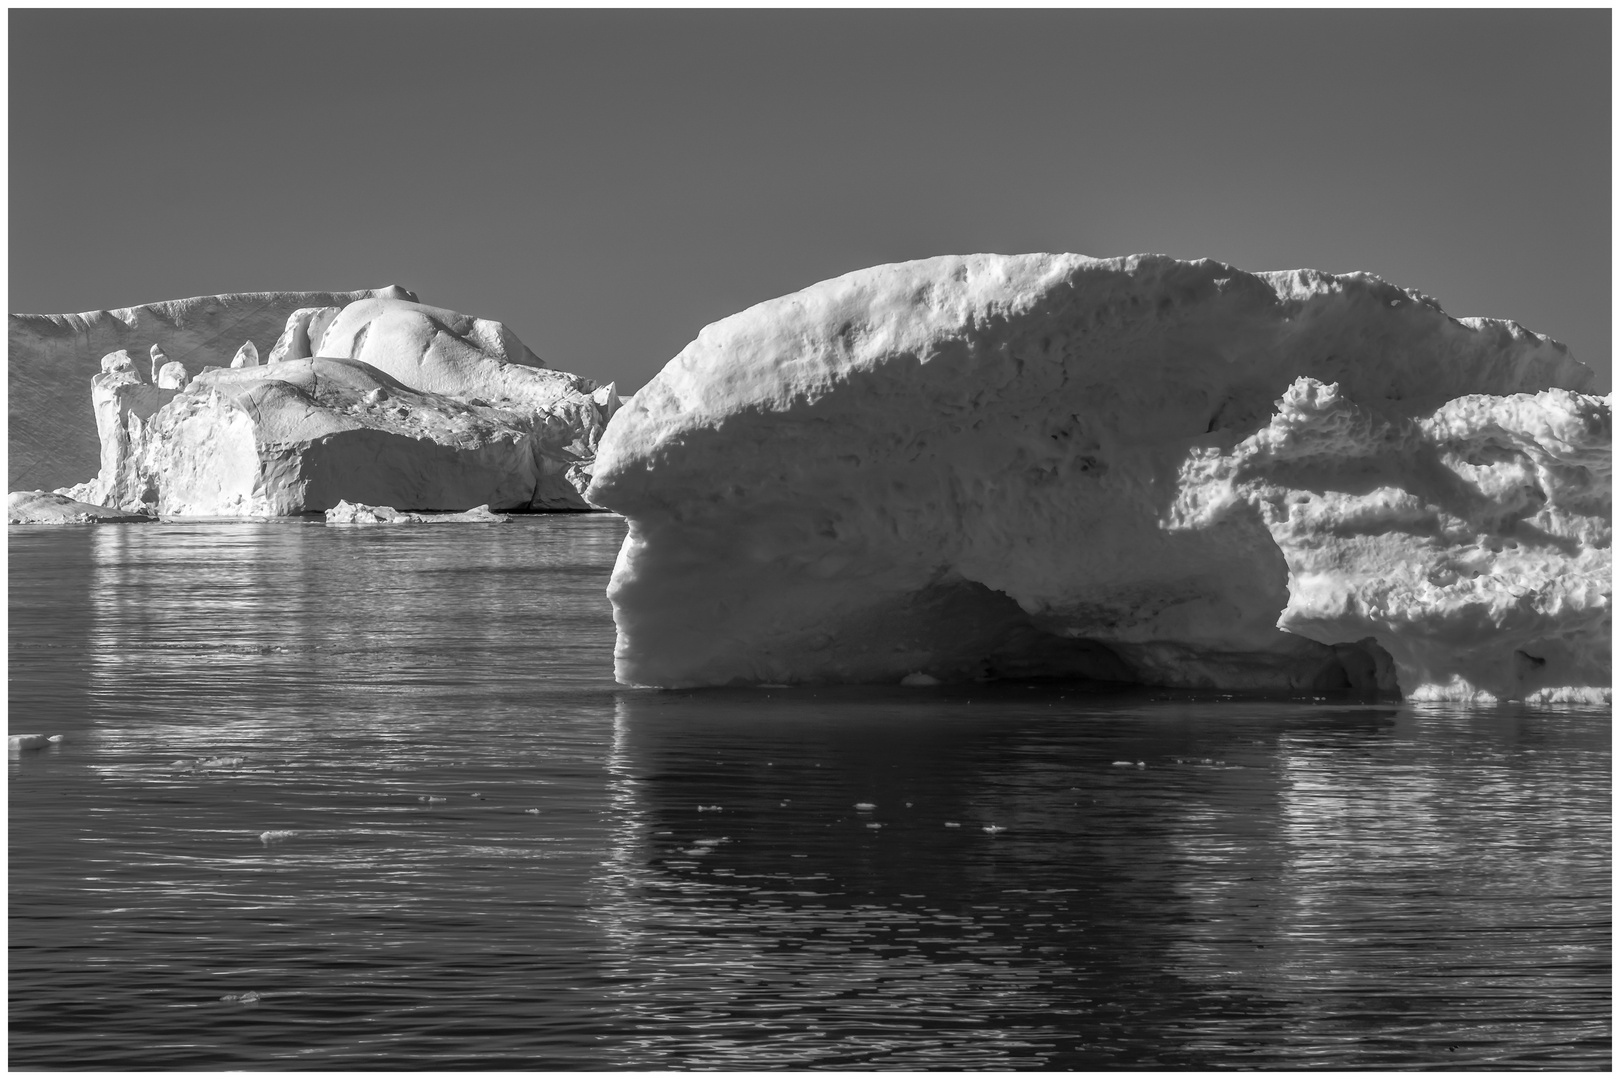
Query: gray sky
x=607 y=182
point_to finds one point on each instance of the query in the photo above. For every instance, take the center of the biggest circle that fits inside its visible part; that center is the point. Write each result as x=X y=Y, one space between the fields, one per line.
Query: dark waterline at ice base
x=382 y=779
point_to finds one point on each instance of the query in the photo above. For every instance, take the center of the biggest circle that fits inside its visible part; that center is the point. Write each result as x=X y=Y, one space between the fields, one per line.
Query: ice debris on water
x=708 y=809
x=874 y=825
x=532 y=810
x=953 y=824
x=995 y=828
x=252 y=997
x=865 y=806
x=32 y=742
x=275 y=836
x=431 y=798
x=919 y=678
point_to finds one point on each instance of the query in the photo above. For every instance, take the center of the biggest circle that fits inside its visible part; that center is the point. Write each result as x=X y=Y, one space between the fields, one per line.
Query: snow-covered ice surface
x=1139 y=469
x=51 y=436
x=408 y=406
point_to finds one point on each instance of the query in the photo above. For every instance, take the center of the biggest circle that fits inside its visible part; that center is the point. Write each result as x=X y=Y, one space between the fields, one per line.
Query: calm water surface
x=382 y=778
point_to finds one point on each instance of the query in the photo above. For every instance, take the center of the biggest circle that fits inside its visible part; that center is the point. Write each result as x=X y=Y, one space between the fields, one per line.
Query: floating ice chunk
x=276 y=836
x=865 y=806
x=29 y=742
x=246 y=356
x=54 y=508
x=252 y=997
x=347 y=513
x=919 y=678
x=995 y=828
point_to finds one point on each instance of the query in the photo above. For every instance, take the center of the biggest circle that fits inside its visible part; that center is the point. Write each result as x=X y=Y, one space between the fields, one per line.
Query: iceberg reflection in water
x=382 y=780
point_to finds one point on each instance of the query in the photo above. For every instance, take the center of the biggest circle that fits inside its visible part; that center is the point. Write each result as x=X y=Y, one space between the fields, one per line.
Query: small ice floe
x=532 y=810
x=1131 y=764
x=708 y=809
x=221 y=763
x=347 y=513
x=32 y=742
x=431 y=798
x=874 y=825
x=249 y=998
x=919 y=678
x=908 y=806
x=953 y=824
x=865 y=806
x=275 y=836
x=994 y=829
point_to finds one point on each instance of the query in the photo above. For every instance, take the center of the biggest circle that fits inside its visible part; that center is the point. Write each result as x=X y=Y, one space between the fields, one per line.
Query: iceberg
x=49 y=508
x=51 y=436
x=347 y=513
x=1139 y=470
x=409 y=406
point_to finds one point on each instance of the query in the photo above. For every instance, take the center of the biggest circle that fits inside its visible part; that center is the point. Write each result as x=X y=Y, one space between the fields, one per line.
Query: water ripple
x=384 y=782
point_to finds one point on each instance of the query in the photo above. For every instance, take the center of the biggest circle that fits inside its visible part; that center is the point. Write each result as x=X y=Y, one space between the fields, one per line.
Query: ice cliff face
x=51 y=438
x=302 y=434
x=1139 y=469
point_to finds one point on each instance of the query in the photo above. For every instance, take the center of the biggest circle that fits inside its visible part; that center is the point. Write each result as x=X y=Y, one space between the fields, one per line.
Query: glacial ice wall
x=983 y=466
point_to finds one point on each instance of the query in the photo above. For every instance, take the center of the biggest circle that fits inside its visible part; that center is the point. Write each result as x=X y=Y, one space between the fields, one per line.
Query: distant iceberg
x=51 y=435
x=383 y=401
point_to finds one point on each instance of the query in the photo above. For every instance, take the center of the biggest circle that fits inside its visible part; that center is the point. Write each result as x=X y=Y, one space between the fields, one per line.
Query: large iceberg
x=51 y=434
x=1137 y=469
x=405 y=406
